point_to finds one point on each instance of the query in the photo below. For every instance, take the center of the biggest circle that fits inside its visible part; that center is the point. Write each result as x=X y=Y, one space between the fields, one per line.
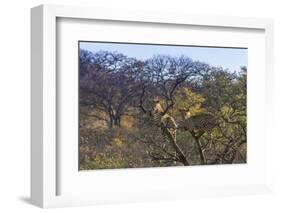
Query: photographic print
x=159 y=105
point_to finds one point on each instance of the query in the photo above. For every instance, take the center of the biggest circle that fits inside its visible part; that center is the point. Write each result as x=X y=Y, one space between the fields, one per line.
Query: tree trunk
x=110 y=123
x=178 y=150
x=117 y=121
x=200 y=150
x=114 y=121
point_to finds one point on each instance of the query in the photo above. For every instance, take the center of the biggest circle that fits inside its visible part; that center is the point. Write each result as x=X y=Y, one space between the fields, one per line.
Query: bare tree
x=108 y=83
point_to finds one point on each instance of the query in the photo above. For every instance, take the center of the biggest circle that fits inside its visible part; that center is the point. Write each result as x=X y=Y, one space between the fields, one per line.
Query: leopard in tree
x=168 y=126
x=198 y=124
x=163 y=120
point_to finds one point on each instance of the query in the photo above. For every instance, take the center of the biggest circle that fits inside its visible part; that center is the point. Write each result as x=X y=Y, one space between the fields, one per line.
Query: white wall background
x=15 y=104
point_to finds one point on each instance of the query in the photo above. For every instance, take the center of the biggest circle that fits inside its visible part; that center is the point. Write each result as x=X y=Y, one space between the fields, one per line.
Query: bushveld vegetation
x=163 y=111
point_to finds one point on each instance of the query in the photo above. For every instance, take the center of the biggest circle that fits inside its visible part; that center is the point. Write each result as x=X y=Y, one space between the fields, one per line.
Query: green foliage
x=186 y=99
x=117 y=142
x=103 y=161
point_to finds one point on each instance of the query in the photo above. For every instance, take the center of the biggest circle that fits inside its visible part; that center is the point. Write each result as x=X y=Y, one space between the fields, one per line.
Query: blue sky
x=228 y=58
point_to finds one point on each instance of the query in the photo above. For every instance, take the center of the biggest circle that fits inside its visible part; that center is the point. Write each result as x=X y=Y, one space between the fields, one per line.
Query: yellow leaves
x=240 y=96
x=103 y=161
x=186 y=99
x=127 y=122
x=117 y=142
x=84 y=148
x=226 y=110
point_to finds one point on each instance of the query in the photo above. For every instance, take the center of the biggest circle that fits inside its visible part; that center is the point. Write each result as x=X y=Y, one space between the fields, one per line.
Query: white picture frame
x=44 y=150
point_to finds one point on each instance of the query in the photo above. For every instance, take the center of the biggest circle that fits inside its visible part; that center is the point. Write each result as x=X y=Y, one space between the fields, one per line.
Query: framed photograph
x=131 y=106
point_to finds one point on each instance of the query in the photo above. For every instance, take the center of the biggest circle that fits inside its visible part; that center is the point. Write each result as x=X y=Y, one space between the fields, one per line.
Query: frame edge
x=37 y=106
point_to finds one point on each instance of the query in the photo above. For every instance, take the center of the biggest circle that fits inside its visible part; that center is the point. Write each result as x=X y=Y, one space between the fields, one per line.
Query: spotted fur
x=203 y=122
x=163 y=121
